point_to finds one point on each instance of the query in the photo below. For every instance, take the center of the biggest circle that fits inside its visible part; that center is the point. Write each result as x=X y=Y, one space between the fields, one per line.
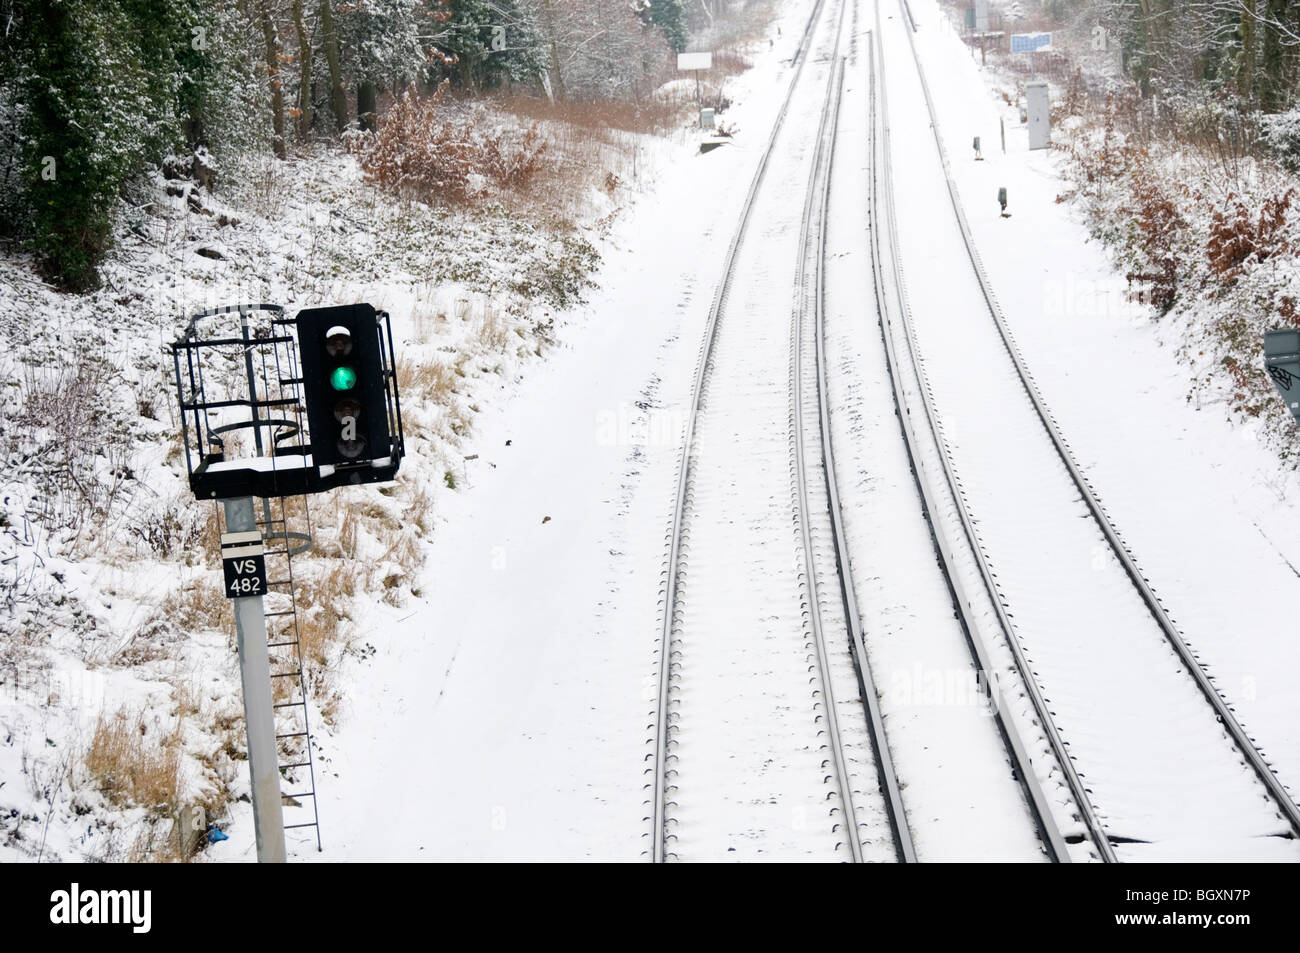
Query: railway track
x=939 y=490
x=762 y=674
x=1155 y=763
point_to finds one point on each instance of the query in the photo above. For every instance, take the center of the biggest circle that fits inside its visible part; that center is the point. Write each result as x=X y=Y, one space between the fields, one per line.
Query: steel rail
x=660 y=769
x=1173 y=635
x=886 y=774
x=848 y=810
x=884 y=225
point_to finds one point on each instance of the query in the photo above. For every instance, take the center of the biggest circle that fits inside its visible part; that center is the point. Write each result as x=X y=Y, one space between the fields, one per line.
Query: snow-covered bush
x=1281 y=135
x=1206 y=234
x=425 y=152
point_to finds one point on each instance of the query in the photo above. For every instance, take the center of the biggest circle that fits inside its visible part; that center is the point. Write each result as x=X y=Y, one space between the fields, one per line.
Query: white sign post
x=697 y=62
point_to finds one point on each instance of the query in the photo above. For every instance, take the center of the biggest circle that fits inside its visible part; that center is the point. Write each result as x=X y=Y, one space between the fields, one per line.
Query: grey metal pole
x=259 y=716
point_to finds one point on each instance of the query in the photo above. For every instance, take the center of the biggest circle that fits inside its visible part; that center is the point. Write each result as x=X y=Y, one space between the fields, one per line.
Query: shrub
x=1160 y=230
x=1237 y=237
x=423 y=151
x=1280 y=134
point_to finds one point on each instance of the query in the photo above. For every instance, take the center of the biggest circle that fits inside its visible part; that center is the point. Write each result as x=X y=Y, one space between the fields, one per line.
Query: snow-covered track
x=744 y=657
x=812 y=413
x=918 y=421
x=1160 y=770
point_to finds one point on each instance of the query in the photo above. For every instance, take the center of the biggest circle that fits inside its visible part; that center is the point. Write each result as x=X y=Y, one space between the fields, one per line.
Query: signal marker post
x=244 y=563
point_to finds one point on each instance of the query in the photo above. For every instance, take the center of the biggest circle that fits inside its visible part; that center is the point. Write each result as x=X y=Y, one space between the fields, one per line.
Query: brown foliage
x=1160 y=225
x=1236 y=237
x=423 y=151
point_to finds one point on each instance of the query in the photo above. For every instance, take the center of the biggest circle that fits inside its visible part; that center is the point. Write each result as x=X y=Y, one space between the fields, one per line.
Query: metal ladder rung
x=278 y=545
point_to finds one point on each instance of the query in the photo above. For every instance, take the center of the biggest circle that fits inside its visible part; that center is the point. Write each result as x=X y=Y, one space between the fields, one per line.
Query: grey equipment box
x=1282 y=360
x=1040 y=115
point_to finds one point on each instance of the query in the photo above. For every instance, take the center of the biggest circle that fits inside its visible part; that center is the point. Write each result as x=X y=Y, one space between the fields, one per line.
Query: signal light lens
x=338 y=341
x=347 y=407
x=351 y=449
x=343 y=378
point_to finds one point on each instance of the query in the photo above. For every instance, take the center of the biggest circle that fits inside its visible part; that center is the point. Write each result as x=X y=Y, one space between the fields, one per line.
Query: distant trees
x=89 y=91
x=94 y=91
x=669 y=17
x=598 y=49
x=1249 y=48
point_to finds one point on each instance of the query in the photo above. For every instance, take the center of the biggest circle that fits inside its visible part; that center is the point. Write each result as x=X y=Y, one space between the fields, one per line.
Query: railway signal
x=267 y=413
x=345 y=389
x=1282 y=361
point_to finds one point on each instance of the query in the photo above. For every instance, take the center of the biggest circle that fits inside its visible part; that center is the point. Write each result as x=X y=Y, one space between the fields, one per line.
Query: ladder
x=289 y=688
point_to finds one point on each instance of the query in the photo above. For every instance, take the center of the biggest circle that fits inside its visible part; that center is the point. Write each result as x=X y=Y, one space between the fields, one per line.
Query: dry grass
x=492 y=333
x=521 y=151
x=434 y=382
x=598 y=121
x=198 y=607
x=318 y=628
x=434 y=154
x=348 y=531
x=187 y=694
x=419 y=508
x=456 y=423
x=129 y=766
x=403 y=550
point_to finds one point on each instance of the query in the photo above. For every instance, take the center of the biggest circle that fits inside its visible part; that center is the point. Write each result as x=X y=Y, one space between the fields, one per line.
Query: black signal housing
x=350 y=392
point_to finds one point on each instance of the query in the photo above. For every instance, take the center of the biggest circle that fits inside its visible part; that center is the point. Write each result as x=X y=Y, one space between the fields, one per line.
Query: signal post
x=327 y=398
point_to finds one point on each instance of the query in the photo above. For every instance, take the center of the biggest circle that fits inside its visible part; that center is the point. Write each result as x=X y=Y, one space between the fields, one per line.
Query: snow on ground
x=499 y=711
x=503 y=716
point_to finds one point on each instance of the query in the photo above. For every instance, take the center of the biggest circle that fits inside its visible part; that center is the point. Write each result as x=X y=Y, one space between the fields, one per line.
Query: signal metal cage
x=238 y=376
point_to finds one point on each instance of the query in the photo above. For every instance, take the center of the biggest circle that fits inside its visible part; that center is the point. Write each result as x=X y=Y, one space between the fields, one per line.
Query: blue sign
x=1030 y=42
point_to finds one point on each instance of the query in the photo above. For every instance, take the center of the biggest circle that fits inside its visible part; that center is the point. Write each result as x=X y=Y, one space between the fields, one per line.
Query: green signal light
x=343 y=378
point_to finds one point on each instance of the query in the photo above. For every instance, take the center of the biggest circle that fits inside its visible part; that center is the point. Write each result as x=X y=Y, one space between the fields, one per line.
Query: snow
x=504 y=709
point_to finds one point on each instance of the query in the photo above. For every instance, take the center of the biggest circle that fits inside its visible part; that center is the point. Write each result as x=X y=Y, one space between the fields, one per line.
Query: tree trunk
x=1273 y=87
x=330 y=43
x=304 y=72
x=553 y=73
x=366 y=105
x=1246 y=68
x=273 y=77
